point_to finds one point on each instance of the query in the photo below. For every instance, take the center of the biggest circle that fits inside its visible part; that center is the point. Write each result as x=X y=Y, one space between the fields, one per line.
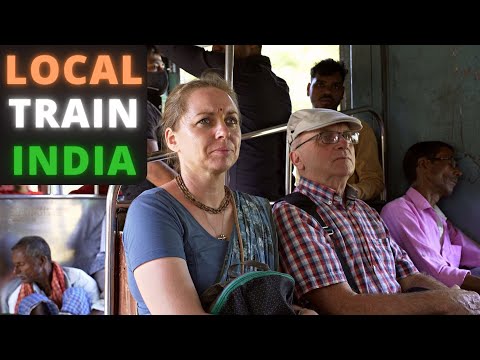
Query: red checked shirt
x=307 y=253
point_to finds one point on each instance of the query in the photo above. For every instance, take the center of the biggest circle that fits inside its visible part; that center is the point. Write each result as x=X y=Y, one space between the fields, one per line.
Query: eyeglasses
x=332 y=137
x=451 y=159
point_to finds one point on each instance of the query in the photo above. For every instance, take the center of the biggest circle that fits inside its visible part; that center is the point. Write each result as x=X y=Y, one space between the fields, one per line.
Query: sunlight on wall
x=293 y=63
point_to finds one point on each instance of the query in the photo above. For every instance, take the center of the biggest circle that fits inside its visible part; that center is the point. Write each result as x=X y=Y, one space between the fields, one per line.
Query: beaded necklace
x=223 y=205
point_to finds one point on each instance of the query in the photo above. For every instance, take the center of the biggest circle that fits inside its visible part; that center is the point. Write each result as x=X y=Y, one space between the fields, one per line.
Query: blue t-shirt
x=159 y=226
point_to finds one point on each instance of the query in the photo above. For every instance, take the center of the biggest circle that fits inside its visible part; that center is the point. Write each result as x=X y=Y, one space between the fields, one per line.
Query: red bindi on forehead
x=219 y=109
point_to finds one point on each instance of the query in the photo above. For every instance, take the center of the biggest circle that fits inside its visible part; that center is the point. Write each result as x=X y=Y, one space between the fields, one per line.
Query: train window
x=292 y=63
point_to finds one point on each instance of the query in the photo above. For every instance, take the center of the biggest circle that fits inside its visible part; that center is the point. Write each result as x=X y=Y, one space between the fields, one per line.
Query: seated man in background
x=47 y=287
x=356 y=268
x=418 y=225
x=326 y=91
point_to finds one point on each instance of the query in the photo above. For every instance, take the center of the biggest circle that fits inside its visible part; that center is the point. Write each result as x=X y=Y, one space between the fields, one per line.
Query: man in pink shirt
x=418 y=225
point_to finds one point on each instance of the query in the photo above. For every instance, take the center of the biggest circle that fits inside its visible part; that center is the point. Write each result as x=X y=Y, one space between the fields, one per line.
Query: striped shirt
x=307 y=253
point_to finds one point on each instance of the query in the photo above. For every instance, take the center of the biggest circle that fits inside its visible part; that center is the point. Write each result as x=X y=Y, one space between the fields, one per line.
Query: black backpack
x=259 y=292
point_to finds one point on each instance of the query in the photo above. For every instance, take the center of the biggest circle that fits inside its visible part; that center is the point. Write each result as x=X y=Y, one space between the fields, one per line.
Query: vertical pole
x=229 y=53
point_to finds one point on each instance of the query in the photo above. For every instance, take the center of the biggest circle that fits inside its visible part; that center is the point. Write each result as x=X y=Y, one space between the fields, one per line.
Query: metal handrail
x=111 y=208
x=229 y=55
x=275 y=130
x=110 y=211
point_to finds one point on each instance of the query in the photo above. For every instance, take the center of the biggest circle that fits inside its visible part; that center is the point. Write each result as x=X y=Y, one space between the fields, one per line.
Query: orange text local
x=76 y=70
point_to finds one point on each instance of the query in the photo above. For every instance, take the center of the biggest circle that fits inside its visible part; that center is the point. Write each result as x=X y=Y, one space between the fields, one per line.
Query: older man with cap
x=350 y=266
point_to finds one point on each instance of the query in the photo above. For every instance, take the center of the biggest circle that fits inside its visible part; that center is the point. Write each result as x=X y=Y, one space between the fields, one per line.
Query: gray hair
x=34 y=246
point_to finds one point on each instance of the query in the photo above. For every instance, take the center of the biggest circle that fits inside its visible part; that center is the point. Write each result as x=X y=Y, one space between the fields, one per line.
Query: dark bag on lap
x=261 y=292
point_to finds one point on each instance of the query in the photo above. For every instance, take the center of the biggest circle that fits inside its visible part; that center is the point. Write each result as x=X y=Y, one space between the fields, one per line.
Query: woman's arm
x=167 y=288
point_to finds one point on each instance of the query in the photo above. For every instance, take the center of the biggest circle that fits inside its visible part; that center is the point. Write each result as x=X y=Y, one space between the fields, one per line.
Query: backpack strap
x=304 y=202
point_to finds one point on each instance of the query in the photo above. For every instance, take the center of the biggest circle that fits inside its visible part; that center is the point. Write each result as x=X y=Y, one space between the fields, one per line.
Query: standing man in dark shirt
x=158 y=173
x=264 y=101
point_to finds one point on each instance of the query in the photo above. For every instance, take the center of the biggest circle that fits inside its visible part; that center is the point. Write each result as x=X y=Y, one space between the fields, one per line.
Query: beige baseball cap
x=317 y=118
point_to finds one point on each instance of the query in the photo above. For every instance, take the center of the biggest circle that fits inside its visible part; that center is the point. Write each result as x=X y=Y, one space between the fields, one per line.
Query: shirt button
x=329 y=202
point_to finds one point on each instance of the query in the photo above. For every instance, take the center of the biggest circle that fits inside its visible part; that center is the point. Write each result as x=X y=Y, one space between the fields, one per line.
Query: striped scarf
x=58 y=287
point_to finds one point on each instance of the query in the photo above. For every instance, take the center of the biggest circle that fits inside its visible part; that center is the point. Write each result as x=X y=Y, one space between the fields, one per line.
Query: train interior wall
x=424 y=92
